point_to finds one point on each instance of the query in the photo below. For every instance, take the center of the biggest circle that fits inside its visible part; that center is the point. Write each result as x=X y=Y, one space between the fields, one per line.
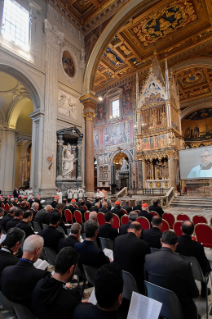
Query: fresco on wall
x=154 y=142
x=202 y=114
x=127 y=99
x=115 y=134
x=68 y=64
x=100 y=114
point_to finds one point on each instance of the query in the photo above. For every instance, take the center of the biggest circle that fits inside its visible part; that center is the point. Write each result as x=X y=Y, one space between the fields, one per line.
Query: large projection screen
x=196 y=163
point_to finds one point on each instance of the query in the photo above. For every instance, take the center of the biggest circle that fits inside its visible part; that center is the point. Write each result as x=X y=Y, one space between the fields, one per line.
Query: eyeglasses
x=205 y=156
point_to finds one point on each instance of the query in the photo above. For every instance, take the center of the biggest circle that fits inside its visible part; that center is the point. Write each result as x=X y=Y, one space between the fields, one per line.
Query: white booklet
x=92 y=298
x=142 y=307
x=108 y=253
x=3 y=236
x=41 y=264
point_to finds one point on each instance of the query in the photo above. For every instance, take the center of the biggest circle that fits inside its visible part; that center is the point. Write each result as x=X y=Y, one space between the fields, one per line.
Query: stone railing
x=122 y=192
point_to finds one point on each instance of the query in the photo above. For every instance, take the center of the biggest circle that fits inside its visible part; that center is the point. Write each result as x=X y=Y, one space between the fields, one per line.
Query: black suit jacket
x=71 y=208
x=70 y=241
x=26 y=228
x=12 y=223
x=129 y=254
x=168 y=270
x=107 y=231
x=103 y=210
x=152 y=237
x=188 y=247
x=94 y=209
x=7 y=259
x=127 y=208
x=34 y=213
x=138 y=207
x=123 y=229
x=143 y=213
x=91 y=255
x=15 y=193
x=51 y=237
x=89 y=311
x=118 y=212
x=54 y=203
x=5 y=220
x=48 y=218
x=88 y=204
x=157 y=209
x=18 y=282
x=41 y=217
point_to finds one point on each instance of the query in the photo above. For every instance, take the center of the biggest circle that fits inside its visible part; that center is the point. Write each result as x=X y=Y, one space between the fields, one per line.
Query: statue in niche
x=188 y=132
x=124 y=164
x=196 y=132
x=67 y=161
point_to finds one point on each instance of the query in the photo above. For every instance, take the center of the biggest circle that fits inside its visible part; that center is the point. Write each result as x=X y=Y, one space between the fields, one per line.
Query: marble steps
x=200 y=202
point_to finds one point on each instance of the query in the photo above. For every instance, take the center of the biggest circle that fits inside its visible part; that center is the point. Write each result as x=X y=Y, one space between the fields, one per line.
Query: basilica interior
x=100 y=93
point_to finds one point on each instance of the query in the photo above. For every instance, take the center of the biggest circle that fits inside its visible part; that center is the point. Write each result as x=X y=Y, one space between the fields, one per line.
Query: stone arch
x=126 y=152
x=24 y=78
x=195 y=107
x=15 y=110
x=134 y=7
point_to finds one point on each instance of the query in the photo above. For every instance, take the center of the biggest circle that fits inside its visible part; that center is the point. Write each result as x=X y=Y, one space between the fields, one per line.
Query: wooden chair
x=68 y=216
x=78 y=216
x=154 y=213
x=177 y=228
x=86 y=215
x=165 y=226
x=144 y=222
x=101 y=218
x=182 y=217
x=199 y=219
x=124 y=219
x=204 y=235
x=116 y=221
x=169 y=217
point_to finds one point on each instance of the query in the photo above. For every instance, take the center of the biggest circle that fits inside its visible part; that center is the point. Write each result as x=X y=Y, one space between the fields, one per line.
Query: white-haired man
x=19 y=281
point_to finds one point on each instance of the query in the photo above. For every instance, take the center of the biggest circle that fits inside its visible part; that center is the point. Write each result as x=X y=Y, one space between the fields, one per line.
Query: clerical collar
x=7 y=250
x=204 y=168
x=27 y=260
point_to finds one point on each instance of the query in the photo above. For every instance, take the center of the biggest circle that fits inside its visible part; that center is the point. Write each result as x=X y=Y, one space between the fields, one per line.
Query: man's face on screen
x=205 y=158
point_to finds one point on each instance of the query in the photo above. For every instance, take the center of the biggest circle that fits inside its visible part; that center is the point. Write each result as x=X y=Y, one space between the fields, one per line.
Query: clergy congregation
x=105 y=159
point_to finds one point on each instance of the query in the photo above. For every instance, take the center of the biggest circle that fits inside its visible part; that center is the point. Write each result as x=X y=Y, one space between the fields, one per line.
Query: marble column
x=54 y=39
x=79 y=149
x=7 y=161
x=60 y=151
x=89 y=101
x=172 y=171
x=144 y=170
x=140 y=175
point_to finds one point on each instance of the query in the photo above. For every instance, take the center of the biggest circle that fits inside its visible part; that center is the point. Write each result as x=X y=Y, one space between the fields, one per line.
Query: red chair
x=199 y=219
x=154 y=213
x=116 y=221
x=177 y=228
x=68 y=216
x=11 y=205
x=124 y=211
x=204 y=235
x=137 y=211
x=101 y=218
x=211 y=221
x=85 y=207
x=182 y=217
x=86 y=215
x=7 y=207
x=144 y=222
x=124 y=220
x=165 y=226
x=78 y=216
x=3 y=206
x=169 y=218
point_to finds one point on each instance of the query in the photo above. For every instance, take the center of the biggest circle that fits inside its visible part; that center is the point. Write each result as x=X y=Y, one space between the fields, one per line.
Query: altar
x=157 y=183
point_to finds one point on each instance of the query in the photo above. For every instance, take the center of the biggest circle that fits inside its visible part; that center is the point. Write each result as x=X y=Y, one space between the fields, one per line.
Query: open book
x=41 y=264
x=108 y=253
x=142 y=307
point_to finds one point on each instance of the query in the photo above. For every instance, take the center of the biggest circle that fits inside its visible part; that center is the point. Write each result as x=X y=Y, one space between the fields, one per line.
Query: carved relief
x=67 y=104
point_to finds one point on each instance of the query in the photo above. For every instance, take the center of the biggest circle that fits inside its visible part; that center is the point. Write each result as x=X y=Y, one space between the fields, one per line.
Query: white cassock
x=99 y=195
x=81 y=192
x=197 y=171
x=70 y=194
x=75 y=191
x=60 y=194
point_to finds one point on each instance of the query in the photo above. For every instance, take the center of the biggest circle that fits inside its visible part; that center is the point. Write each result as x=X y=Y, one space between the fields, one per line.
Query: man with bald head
x=41 y=215
x=72 y=239
x=188 y=247
x=132 y=218
x=130 y=252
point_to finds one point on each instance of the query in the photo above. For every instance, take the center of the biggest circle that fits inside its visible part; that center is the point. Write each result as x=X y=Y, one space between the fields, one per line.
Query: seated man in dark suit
x=42 y=214
x=117 y=209
x=153 y=235
x=156 y=208
x=108 y=291
x=132 y=218
x=25 y=223
x=138 y=207
x=55 y=201
x=16 y=220
x=127 y=206
x=89 y=254
x=95 y=207
x=92 y=216
x=18 y=282
x=24 y=205
x=104 y=208
x=72 y=239
x=8 y=217
x=168 y=270
x=51 y=298
x=129 y=253
x=144 y=212
x=58 y=209
x=51 y=235
x=188 y=247
x=81 y=209
x=106 y=230
x=34 y=209
x=11 y=246
x=88 y=203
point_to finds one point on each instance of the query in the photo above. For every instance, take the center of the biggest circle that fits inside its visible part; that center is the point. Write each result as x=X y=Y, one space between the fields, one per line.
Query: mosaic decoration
x=200 y=114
